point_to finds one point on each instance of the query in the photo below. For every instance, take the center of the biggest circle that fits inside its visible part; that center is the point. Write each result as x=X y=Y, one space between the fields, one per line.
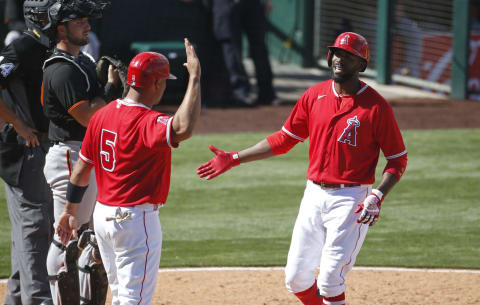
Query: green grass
x=245 y=217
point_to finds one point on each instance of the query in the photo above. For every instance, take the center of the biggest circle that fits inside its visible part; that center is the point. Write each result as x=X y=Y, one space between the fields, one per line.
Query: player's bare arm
x=187 y=115
x=67 y=223
x=387 y=183
x=22 y=129
x=83 y=111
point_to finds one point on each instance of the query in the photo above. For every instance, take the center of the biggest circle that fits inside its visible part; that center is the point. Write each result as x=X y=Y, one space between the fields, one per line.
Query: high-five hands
x=222 y=162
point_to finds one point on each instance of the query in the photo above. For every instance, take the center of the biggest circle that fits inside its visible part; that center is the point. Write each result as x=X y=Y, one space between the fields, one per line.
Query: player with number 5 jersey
x=129 y=145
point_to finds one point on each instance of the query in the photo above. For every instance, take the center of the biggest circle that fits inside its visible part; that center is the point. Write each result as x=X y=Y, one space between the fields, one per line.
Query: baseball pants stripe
x=325 y=235
x=130 y=249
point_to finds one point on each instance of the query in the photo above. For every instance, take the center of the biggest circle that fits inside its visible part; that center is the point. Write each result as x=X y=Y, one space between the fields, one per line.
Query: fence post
x=307 y=56
x=384 y=41
x=460 y=48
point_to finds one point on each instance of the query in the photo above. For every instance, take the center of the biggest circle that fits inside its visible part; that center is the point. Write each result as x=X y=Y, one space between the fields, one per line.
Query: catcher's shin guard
x=67 y=277
x=93 y=278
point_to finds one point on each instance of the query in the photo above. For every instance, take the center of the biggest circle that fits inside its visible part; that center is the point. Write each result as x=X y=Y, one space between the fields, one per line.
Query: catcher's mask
x=43 y=16
x=350 y=42
x=146 y=67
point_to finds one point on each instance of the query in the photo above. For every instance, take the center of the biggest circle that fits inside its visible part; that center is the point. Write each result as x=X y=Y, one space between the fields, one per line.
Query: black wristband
x=75 y=192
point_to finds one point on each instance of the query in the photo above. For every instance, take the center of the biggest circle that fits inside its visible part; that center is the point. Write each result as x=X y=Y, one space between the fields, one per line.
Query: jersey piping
x=74 y=63
x=169 y=135
x=397 y=155
x=130 y=103
x=292 y=135
x=76 y=105
x=359 y=91
x=85 y=159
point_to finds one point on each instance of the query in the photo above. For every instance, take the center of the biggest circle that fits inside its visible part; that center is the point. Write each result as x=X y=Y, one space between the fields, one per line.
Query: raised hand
x=193 y=63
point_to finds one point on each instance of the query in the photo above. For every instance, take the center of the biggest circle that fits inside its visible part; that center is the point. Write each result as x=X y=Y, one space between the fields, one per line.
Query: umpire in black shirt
x=23 y=146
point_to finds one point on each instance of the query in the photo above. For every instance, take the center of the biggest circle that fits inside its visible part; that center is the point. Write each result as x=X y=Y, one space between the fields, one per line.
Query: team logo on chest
x=349 y=135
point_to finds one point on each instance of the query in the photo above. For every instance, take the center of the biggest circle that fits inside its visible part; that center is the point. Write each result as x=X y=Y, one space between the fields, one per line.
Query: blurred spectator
x=232 y=18
x=407 y=42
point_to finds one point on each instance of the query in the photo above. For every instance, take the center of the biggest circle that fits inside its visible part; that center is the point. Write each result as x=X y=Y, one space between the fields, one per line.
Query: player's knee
x=299 y=281
x=54 y=259
x=331 y=282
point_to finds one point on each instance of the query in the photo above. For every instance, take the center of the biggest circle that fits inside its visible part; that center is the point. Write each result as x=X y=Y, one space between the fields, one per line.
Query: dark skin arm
x=387 y=183
x=22 y=129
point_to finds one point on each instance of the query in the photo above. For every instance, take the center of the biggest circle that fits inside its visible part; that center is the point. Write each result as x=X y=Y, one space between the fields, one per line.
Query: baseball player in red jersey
x=348 y=123
x=129 y=145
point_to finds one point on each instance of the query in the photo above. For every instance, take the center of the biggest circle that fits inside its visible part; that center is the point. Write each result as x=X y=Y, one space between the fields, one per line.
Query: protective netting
x=422 y=36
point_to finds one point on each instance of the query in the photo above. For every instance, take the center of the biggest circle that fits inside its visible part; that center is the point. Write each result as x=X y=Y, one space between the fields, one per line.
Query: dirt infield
x=265 y=287
x=365 y=287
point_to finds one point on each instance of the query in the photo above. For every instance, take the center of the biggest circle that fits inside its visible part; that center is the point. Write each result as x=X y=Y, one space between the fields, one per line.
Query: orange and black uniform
x=68 y=81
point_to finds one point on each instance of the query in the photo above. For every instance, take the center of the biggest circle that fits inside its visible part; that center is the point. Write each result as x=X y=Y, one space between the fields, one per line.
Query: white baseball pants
x=130 y=242
x=326 y=235
x=59 y=163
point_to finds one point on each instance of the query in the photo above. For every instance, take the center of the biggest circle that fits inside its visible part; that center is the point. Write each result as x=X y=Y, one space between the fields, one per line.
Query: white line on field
x=282 y=268
x=163 y=270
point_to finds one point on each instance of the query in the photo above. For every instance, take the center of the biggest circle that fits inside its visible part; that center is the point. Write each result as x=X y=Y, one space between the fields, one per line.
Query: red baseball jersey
x=346 y=133
x=130 y=146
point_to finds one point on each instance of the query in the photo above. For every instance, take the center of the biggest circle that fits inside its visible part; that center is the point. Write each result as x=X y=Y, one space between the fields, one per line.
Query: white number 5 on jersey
x=107 y=149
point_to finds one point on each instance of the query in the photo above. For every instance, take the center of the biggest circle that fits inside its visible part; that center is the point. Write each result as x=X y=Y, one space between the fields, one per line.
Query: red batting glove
x=222 y=162
x=370 y=208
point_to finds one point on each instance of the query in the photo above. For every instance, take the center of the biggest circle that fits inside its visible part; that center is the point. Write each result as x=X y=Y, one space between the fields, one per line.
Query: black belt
x=334 y=185
x=58 y=142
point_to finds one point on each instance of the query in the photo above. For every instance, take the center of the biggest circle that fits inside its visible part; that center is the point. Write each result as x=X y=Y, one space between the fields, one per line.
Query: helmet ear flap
x=54 y=13
x=329 y=57
x=365 y=64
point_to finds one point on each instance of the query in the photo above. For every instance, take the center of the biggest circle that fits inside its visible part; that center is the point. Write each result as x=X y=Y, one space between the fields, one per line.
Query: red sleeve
x=391 y=142
x=157 y=131
x=296 y=125
x=86 y=152
x=396 y=166
x=280 y=142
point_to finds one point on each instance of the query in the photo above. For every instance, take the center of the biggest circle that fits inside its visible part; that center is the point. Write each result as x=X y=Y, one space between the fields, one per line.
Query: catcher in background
x=71 y=95
x=348 y=123
x=129 y=145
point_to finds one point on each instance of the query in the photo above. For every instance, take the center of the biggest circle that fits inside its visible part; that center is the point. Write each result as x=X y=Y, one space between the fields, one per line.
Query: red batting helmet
x=350 y=42
x=146 y=67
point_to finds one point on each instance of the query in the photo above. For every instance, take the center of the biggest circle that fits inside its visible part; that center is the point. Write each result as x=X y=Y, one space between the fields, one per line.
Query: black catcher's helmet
x=43 y=16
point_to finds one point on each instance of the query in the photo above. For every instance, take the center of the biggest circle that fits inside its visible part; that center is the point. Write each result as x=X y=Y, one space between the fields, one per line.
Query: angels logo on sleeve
x=349 y=135
x=163 y=120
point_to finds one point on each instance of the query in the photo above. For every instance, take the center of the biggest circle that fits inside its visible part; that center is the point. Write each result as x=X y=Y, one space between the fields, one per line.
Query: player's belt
x=334 y=185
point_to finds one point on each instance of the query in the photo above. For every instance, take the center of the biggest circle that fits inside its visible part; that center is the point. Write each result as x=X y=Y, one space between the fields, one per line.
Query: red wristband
x=235 y=158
